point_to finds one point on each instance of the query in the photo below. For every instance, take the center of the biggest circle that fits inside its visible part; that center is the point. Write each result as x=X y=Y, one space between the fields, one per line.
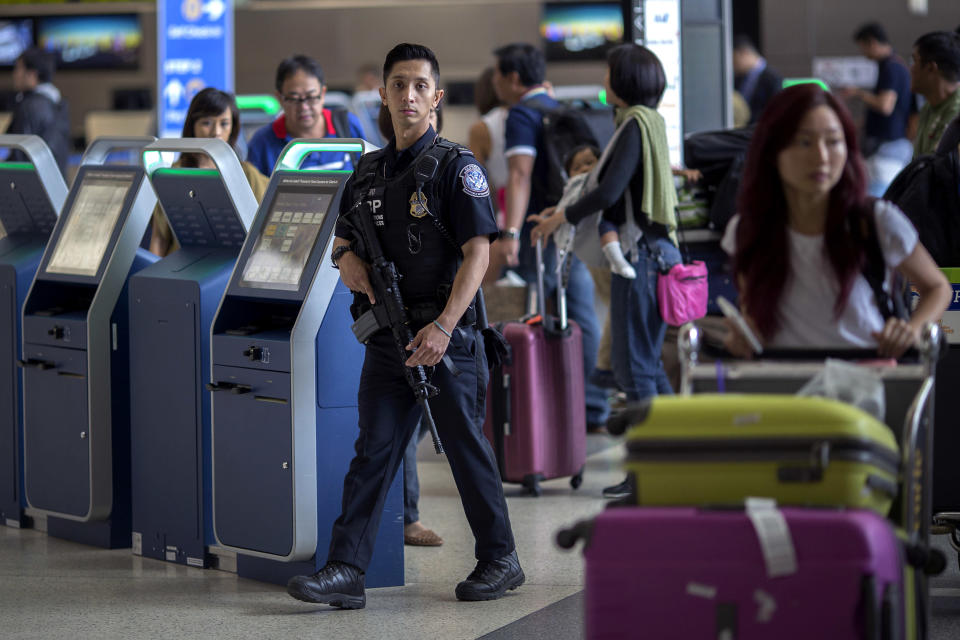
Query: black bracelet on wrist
x=338 y=253
x=509 y=234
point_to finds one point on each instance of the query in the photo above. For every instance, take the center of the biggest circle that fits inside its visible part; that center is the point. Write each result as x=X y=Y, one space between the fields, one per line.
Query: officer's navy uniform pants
x=388 y=419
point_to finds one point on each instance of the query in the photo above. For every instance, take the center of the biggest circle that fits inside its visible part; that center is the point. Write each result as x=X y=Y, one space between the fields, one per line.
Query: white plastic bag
x=840 y=380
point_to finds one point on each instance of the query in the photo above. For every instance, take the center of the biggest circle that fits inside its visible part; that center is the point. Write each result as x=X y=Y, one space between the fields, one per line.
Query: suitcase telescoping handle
x=541 y=298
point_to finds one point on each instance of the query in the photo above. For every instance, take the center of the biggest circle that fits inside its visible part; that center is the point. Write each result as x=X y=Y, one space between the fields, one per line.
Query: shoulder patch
x=474 y=181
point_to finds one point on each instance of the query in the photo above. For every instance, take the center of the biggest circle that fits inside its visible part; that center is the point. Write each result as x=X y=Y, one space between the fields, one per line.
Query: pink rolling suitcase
x=536 y=408
x=686 y=573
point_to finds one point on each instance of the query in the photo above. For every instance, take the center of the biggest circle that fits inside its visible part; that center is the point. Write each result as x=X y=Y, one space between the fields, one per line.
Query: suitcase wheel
x=531 y=482
x=577 y=480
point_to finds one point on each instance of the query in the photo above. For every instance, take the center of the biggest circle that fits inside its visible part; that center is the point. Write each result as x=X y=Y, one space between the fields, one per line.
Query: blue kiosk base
x=110 y=534
x=385 y=570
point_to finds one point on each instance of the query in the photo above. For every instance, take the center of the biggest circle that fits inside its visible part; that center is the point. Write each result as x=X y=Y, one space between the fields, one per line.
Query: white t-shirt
x=806 y=312
x=496 y=121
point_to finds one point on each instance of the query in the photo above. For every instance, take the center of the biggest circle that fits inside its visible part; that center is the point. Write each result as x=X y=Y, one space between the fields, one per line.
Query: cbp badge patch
x=474 y=182
x=418 y=205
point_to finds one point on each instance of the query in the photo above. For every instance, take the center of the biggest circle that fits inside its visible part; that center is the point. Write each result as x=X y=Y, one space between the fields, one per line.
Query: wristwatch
x=509 y=234
x=338 y=253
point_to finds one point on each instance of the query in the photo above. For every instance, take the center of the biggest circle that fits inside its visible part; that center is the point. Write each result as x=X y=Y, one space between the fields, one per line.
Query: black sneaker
x=621 y=490
x=338 y=584
x=491 y=579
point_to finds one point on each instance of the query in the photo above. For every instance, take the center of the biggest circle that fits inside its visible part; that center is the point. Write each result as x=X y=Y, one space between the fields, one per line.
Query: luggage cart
x=908 y=387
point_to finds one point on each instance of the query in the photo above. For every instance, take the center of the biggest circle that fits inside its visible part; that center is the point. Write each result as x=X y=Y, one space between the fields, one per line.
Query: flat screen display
x=16 y=36
x=580 y=30
x=89 y=226
x=286 y=240
x=92 y=41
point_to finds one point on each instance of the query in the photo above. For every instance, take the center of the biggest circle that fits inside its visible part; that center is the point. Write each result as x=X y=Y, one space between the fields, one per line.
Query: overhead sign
x=194 y=51
x=657 y=27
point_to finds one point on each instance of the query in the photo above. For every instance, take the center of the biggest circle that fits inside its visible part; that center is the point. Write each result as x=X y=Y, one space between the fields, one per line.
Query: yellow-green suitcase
x=719 y=449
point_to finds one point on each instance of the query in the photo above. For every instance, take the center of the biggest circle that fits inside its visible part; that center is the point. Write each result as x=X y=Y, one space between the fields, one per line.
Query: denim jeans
x=637 y=327
x=411 y=481
x=579 y=307
x=883 y=165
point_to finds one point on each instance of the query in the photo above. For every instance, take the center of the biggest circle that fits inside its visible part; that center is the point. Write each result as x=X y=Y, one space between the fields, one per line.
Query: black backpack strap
x=428 y=167
x=341 y=122
x=875 y=272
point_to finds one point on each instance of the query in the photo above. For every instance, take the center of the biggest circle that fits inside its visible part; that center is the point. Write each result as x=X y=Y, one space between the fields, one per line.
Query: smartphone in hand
x=730 y=311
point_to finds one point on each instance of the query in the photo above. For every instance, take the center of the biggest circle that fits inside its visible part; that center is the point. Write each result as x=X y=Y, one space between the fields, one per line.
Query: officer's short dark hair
x=742 y=42
x=407 y=51
x=40 y=61
x=299 y=62
x=636 y=75
x=525 y=59
x=943 y=48
x=871 y=31
x=212 y=102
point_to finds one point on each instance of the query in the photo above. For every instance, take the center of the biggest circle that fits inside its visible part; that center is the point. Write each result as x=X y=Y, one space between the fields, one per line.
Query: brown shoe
x=425 y=538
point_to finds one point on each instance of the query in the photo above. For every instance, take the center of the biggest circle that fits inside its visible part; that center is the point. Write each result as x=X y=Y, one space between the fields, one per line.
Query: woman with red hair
x=805 y=230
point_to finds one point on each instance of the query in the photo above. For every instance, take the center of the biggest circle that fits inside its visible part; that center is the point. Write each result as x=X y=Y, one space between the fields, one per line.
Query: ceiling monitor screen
x=92 y=41
x=89 y=226
x=580 y=30
x=284 y=245
x=16 y=36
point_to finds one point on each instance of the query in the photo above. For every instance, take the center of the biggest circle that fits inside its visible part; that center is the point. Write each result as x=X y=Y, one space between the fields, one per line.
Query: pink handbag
x=682 y=293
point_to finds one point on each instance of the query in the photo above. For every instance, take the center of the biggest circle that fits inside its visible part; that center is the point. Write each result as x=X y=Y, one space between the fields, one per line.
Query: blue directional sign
x=194 y=50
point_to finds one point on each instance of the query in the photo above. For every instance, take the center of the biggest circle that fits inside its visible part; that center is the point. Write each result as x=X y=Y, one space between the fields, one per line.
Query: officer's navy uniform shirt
x=423 y=257
x=269 y=140
x=524 y=136
x=892 y=75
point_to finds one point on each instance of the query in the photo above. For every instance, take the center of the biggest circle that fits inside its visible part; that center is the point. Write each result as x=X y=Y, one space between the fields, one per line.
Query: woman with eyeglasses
x=212 y=114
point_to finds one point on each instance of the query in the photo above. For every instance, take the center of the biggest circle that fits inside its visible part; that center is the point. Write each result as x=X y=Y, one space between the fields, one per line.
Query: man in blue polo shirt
x=886 y=148
x=518 y=79
x=301 y=91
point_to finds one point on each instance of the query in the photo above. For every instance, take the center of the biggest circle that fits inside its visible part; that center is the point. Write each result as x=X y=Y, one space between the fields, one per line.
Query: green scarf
x=659 y=192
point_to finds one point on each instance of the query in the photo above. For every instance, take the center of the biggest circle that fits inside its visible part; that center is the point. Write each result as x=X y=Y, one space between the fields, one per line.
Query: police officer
x=442 y=261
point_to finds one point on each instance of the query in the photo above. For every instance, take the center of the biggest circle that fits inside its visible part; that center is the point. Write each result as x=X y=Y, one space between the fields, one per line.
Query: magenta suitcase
x=536 y=406
x=685 y=573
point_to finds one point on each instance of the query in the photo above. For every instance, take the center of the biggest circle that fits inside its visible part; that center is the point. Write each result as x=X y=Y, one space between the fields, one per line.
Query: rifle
x=389 y=310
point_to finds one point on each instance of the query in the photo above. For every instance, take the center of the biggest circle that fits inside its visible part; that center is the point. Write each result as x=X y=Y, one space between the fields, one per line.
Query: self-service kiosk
x=75 y=359
x=172 y=304
x=285 y=371
x=31 y=196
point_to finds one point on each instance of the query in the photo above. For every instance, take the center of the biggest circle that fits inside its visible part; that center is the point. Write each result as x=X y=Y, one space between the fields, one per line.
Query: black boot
x=491 y=579
x=338 y=584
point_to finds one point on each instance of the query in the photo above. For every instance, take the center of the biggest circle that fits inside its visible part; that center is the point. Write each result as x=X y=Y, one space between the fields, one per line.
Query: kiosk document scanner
x=75 y=359
x=31 y=196
x=172 y=304
x=285 y=371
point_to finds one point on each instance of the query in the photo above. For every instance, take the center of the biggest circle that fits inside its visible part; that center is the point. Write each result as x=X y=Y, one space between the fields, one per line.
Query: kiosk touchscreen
x=75 y=358
x=172 y=304
x=284 y=384
x=31 y=195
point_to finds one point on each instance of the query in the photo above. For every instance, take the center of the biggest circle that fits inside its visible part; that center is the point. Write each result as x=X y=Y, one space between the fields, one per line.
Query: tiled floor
x=53 y=589
x=50 y=588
